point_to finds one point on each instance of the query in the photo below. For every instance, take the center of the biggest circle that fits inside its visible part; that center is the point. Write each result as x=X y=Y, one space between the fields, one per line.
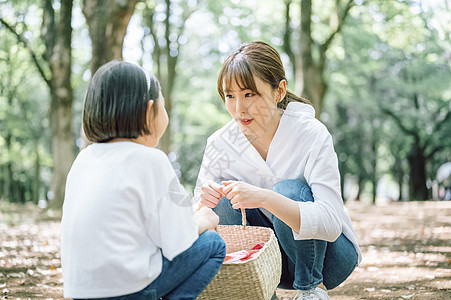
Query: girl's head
x=123 y=101
x=255 y=60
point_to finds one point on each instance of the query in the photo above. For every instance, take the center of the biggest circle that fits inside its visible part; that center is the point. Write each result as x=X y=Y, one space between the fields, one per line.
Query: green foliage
x=388 y=75
x=390 y=82
x=24 y=151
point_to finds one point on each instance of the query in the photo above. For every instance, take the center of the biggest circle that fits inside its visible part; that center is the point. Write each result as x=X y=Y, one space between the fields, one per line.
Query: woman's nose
x=240 y=105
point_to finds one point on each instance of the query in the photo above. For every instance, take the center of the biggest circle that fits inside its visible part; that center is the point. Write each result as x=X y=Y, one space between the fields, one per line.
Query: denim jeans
x=305 y=263
x=188 y=274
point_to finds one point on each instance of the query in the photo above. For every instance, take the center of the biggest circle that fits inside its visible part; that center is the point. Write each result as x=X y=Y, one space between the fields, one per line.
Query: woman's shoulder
x=300 y=119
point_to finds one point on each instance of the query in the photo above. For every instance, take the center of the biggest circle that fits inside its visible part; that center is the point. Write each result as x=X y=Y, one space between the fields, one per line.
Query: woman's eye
x=229 y=96
x=249 y=95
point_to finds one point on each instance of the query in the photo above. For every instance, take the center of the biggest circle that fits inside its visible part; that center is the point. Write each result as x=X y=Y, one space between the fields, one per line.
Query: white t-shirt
x=124 y=208
x=301 y=148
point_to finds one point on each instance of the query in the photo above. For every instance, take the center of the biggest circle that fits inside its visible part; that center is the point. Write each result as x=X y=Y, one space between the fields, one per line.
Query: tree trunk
x=374 y=144
x=401 y=184
x=287 y=39
x=107 y=22
x=398 y=172
x=61 y=105
x=417 y=186
x=36 y=183
x=315 y=87
x=7 y=186
x=310 y=80
x=62 y=142
x=361 y=182
x=169 y=53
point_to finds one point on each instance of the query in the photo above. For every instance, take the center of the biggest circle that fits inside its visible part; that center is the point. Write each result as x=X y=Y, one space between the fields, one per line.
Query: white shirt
x=124 y=208
x=301 y=148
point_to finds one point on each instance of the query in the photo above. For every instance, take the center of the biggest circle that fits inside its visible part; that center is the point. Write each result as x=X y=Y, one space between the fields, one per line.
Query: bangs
x=236 y=70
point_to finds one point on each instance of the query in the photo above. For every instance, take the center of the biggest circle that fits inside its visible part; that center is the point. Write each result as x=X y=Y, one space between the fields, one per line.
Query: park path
x=406 y=253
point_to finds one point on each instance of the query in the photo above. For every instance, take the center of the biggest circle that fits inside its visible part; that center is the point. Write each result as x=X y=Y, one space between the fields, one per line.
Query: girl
x=278 y=162
x=127 y=228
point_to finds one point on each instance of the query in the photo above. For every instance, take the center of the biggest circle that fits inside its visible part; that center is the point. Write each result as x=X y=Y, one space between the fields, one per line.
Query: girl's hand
x=211 y=193
x=206 y=218
x=245 y=195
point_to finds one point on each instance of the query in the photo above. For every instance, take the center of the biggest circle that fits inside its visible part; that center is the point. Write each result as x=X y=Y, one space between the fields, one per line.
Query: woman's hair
x=255 y=59
x=116 y=102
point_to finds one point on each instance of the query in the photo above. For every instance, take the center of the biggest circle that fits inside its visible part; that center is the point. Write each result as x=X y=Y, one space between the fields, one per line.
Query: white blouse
x=302 y=148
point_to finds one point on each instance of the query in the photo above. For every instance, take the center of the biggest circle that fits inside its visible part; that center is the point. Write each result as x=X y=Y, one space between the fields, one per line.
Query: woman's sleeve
x=322 y=219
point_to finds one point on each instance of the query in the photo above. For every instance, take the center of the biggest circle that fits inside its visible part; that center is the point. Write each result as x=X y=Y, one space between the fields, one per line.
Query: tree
x=310 y=62
x=417 y=84
x=56 y=34
x=396 y=73
x=107 y=22
x=166 y=49
x=22 y=128
x=107 y=25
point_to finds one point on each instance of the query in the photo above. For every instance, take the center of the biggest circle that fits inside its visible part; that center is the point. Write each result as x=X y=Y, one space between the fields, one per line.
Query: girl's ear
x=282 y=90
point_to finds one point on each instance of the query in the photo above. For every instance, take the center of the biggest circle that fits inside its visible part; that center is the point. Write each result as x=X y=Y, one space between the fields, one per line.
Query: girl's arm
x=206 y=219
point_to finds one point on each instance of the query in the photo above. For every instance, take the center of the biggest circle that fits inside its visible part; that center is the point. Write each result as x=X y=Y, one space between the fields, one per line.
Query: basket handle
x=243 y=216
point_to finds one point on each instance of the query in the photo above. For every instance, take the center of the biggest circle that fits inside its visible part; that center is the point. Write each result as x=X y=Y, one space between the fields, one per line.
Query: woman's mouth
x=245 y=121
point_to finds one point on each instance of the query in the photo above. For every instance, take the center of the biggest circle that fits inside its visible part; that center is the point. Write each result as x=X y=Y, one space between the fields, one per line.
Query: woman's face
x=252 y=112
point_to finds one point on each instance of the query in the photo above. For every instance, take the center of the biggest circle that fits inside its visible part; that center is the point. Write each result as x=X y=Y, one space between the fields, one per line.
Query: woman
x=278 y=162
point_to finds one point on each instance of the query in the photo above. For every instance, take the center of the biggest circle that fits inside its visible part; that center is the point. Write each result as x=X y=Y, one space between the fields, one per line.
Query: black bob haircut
x=116 y=102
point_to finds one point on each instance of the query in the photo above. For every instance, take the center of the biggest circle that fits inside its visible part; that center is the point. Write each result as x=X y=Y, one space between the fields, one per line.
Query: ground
x=406 y=252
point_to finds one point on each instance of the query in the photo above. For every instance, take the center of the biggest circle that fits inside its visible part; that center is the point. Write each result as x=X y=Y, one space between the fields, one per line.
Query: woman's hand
x=245 y=195
x=211 y=193
x=206 y=218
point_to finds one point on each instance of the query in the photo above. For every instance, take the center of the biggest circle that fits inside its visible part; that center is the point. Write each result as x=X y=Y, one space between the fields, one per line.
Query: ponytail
x=290 y=97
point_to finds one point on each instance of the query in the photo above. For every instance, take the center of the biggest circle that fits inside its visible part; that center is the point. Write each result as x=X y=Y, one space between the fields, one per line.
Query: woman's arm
x=244 y=195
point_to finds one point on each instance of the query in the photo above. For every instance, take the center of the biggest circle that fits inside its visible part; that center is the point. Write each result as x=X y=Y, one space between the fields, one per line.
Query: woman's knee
x=227 y=214
x=223 y=206
x=294 y=189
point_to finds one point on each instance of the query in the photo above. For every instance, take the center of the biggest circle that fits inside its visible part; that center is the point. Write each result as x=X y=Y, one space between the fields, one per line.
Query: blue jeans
x=305 y=263
x=188 y=274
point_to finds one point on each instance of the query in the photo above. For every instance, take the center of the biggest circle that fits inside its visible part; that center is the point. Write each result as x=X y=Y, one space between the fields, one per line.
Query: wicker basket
x=256 y=278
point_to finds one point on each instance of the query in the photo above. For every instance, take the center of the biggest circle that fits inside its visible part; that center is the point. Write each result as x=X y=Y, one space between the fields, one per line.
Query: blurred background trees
x=378 y=73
